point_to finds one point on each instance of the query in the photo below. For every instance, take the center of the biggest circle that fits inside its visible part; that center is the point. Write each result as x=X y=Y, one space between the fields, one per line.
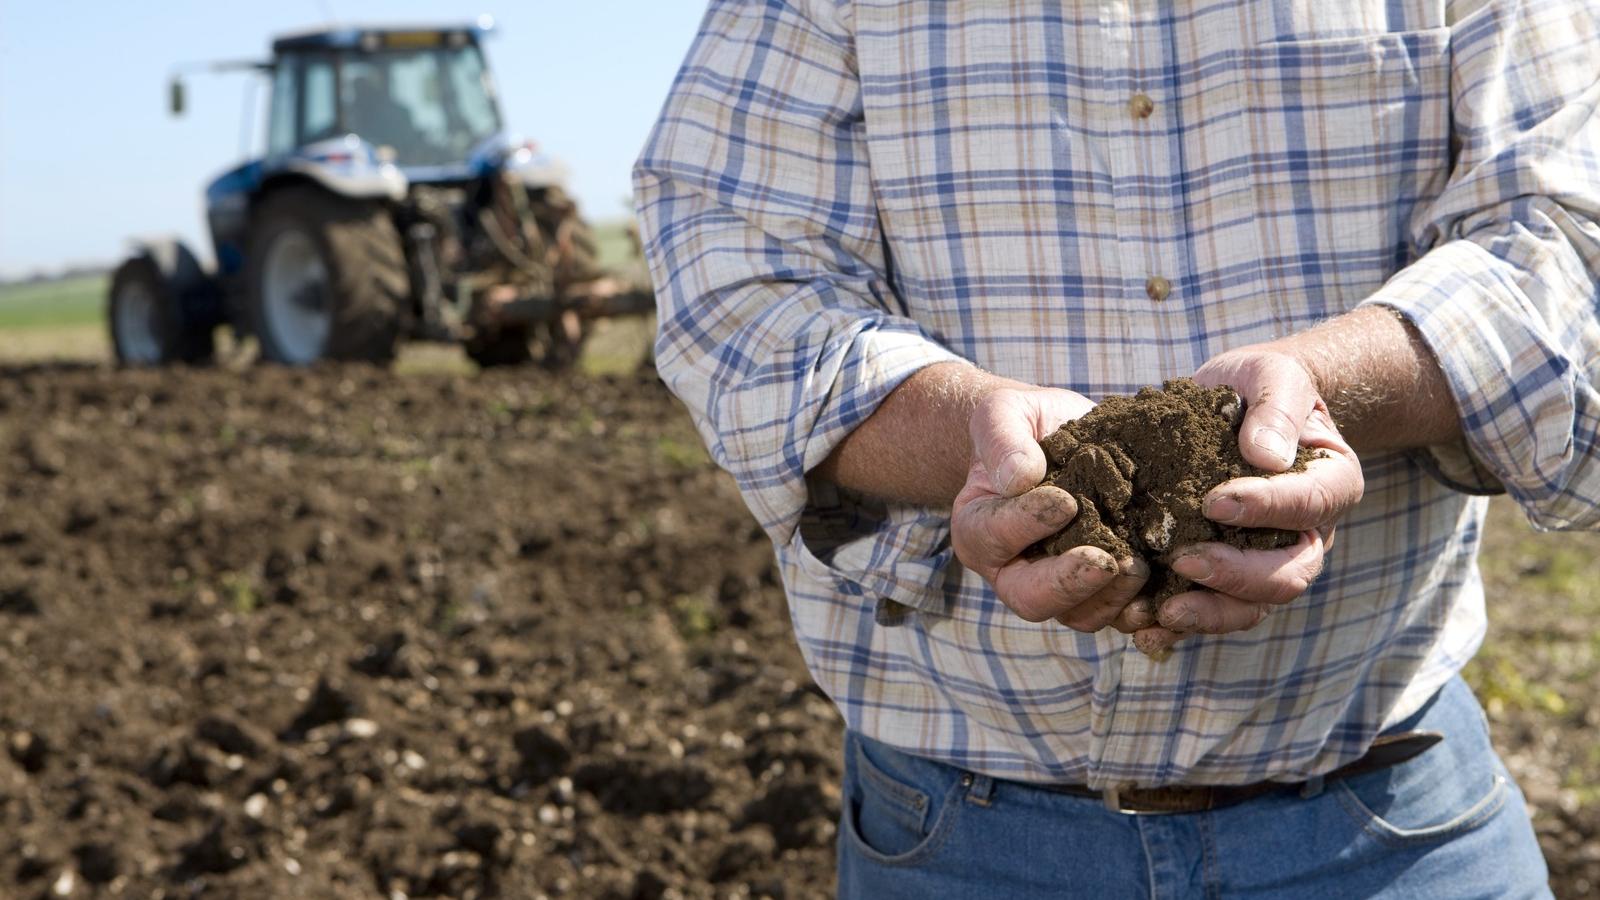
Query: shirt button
x=1157 y=288
x=1141 y=106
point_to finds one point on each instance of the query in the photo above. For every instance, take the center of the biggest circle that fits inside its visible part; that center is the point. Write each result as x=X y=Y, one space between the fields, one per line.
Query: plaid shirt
x=839 y=193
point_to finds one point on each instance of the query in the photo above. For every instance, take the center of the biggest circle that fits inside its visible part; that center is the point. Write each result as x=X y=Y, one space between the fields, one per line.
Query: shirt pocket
x=1348 y=138
x=984 y=144
x=966 y=190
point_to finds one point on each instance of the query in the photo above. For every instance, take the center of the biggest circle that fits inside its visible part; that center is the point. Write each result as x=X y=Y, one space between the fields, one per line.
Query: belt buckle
x=1111 y=798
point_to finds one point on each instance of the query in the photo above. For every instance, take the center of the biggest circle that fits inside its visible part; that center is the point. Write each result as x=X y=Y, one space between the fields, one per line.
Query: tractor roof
x=373 y=37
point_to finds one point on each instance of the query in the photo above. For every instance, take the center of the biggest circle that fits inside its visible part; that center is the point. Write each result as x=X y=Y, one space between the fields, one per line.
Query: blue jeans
x=1447 y=824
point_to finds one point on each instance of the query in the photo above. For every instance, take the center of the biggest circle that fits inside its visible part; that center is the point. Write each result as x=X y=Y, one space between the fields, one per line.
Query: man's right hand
x=1003 y=509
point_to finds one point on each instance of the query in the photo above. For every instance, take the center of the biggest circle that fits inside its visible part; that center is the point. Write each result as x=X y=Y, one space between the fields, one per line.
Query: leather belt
x=1386 y=750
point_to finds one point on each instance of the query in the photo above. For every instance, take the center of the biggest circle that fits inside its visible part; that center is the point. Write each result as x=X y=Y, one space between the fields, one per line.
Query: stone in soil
x=1140 y=467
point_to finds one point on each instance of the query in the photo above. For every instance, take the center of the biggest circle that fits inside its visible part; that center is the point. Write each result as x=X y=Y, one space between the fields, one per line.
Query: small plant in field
x=682 y=454
x=446 y=616
x=585 y=422
x=693 y=616
x=241 y=593
x=1501 y=686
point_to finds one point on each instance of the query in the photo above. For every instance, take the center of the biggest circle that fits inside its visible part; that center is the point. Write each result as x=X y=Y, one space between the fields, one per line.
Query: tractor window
x=431 y=105
x=280 y=119
x=474 y=92
x=319 y=111
x=414 y=80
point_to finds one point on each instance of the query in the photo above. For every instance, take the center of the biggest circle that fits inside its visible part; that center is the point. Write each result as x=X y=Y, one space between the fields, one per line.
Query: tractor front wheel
x=326 y=279
x=148 y=322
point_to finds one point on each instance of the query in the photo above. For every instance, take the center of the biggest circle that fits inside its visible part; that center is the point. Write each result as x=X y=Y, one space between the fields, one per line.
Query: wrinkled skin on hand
x=1003 y=510
x=1283 y=411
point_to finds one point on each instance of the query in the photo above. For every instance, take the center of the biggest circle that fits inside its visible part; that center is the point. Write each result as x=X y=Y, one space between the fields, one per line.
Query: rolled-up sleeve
x=1506 y=293
x=778 y=326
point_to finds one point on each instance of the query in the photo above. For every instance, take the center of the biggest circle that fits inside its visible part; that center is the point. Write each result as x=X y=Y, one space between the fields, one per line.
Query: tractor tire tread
x=366 y=265
x=181 y=341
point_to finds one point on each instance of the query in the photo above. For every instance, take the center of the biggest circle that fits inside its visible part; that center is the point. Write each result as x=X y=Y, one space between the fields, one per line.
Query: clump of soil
x=1140 y=467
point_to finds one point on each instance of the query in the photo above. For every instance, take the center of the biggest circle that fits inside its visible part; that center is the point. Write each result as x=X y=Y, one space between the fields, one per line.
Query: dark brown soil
x=338 y=634
x=341 y=634
x=1139 y=468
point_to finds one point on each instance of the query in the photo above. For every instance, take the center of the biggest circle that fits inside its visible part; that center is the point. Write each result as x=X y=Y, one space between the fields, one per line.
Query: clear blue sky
x=89 y=156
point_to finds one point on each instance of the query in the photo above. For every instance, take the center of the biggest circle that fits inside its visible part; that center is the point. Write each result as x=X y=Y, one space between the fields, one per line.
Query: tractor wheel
x=148 y=325
x=325 y=279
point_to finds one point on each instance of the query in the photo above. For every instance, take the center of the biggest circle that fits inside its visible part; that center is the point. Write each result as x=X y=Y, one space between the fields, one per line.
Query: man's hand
x=1283 y=411
x=1003 y=509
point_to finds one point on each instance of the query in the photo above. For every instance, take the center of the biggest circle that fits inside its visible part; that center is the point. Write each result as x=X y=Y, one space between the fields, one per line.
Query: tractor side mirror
x=175 y=96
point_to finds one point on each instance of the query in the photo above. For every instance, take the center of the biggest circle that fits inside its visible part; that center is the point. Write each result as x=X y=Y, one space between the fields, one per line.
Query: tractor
x=390 y=204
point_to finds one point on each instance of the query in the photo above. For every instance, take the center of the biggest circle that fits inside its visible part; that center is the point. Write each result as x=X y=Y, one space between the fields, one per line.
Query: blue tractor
x=390 y=204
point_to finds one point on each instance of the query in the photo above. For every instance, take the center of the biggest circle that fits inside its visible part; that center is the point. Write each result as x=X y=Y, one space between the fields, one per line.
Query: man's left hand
x=1283 y=411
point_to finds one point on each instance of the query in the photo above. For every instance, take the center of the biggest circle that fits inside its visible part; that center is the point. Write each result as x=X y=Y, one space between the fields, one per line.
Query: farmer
x=897 y=242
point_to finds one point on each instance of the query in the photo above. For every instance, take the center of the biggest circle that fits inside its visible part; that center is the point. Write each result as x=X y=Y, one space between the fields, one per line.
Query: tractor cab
x=420 y=99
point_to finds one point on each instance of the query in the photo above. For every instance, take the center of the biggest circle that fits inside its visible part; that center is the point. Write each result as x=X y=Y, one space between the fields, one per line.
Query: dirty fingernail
x=1058 y=508
x=1152 y=646
x=1004 y=473
x=1103 y=561
x=1141 y=613
x=1224 y=510
x=1274 y=443
x=1193 y=566
x=1182 y=619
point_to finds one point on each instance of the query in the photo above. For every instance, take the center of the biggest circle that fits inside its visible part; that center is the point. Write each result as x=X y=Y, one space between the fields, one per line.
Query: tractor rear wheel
x=148 y=323
x=325 y=279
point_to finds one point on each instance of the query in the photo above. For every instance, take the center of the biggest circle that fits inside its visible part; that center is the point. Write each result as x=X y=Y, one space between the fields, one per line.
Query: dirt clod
x=799 y=812
x=231 y=736
x=331 y=702
x=638 y=786
x=1140 y=467
x=98 y=862
x=30 y=751
x=19 y=601
x=543 y=755
x=746 y=849
x=225 y=845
